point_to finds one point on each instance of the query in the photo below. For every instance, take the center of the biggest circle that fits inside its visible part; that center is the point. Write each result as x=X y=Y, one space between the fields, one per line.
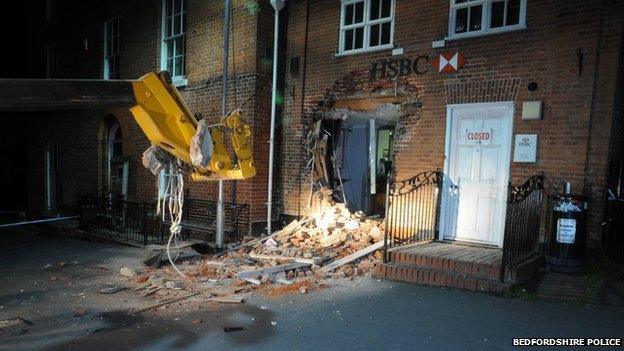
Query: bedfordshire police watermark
x=607 y=342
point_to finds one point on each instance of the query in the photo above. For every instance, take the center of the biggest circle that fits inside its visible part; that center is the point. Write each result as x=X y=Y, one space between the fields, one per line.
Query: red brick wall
x=140 y=22
x=545 y=52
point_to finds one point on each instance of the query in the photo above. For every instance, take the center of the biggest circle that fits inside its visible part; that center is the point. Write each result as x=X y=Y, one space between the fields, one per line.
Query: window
x=174 y=39
x=114 y=146
x=477 y=17
x=111 y=48
x=52 y=62
x=366 y=25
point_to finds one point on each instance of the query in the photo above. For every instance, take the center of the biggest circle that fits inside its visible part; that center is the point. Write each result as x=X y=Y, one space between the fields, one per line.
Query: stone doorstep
x=480 y=270
x=438 y=277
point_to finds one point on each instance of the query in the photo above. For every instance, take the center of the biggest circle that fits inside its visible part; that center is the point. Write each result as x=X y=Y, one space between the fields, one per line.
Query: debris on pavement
x=111 y=289
x=80 y=312
x=329 y=243
x=14 y=323
x=166 y=302
x=129 y=272
x=232 y=329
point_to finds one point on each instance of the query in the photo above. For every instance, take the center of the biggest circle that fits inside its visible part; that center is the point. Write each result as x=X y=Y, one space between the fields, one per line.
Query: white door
x=477 y=164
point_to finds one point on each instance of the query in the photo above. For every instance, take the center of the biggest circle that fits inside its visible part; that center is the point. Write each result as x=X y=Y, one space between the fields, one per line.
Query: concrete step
x=438 y=277
x=456 y=265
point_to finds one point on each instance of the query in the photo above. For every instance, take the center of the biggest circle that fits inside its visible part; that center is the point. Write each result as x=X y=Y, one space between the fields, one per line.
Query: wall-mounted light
x=531 y=110
x=85 y=44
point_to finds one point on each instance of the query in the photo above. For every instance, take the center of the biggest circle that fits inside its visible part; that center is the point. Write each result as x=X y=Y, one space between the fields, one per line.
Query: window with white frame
x=474 y=17
x=174 y=39
x=366 y=25
x=111 y=48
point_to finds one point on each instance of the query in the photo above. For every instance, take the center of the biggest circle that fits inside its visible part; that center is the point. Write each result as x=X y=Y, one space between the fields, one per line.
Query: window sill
x=486 y=32
x=357 y=52
x=179 y=81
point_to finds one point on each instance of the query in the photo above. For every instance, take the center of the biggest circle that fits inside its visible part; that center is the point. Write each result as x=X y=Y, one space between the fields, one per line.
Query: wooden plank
x=284 y=281
x=365 y=104
x=354 y=256
x=443 y=250
x=311 y=261
x=272 y=270
x=487 y=256
x=166 y=302
x=457 y=250
x=461 y=251
x=253 y=281
x=226 y=299
x=427 y=248
x=491 y=258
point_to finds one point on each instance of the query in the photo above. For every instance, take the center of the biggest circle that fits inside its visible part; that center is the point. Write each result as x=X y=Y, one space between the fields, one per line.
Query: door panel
x=478 y=164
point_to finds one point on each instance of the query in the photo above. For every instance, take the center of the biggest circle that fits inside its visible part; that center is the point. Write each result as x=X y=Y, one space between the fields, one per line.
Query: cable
x=173 y=202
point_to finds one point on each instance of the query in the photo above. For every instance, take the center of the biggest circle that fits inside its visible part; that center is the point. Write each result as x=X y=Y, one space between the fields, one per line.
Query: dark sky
x=20 y=24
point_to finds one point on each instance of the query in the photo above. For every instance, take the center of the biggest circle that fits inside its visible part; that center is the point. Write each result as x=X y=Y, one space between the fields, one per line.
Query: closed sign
x=479 y=136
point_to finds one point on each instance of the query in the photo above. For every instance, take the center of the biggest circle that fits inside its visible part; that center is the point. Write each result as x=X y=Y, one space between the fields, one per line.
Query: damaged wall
x=498 y=68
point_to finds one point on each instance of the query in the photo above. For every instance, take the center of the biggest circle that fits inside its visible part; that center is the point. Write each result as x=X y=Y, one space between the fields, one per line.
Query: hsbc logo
x=449 y=62
x=399 y=67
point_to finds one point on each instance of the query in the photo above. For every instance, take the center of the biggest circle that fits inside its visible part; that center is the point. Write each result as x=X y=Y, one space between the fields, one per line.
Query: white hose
x=173 y=201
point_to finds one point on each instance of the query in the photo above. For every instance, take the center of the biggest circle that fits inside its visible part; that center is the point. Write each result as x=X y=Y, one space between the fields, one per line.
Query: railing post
x=387 y=219
x=507 y=231
x=438 y=206
x=144 y=224
x=234 y=214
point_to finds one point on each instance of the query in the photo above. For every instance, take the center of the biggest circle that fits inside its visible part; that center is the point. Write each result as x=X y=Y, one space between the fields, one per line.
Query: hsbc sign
x=447 y=62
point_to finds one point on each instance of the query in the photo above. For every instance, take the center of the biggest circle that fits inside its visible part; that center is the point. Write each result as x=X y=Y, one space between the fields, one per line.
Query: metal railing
x=613 y=226
x=523 y=220
x=120 y=220
x=200 y=216
x=613 y=237
x=412 y=210
x=136 y=222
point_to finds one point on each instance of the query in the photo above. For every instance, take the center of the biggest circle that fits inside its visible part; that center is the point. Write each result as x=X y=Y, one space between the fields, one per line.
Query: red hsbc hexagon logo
x=449 y=62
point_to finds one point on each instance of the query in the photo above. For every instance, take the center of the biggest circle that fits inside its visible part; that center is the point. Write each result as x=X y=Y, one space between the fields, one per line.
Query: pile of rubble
x=330 y=243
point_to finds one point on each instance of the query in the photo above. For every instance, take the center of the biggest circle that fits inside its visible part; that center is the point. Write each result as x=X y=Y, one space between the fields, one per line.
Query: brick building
x=68 y=153
x=438 y=84
x=454 y=84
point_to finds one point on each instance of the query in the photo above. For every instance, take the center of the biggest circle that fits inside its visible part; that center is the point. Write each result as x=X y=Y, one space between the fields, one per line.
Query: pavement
x=362 y=314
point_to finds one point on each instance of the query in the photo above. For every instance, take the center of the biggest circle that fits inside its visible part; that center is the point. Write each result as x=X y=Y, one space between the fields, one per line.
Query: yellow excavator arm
x=167 y=122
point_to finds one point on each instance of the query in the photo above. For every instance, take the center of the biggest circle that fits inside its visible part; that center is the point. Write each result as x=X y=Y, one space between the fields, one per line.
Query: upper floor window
x=111 y=48
x=475 y=17
x=174 y=39
x=366 y=25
